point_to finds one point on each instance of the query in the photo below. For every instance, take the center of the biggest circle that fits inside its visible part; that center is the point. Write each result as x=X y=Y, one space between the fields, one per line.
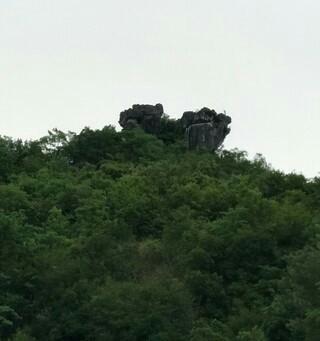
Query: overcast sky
x=75 y=63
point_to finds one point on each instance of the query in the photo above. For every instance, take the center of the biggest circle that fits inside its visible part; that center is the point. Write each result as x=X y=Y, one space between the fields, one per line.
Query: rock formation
x=145 y=116
x=205 y=129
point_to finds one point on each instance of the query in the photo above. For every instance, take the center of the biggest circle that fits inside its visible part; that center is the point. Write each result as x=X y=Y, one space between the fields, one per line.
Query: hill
x=111 y=235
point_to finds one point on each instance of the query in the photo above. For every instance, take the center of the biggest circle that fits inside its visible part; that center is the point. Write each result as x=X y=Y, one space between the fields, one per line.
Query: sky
x=68 y=64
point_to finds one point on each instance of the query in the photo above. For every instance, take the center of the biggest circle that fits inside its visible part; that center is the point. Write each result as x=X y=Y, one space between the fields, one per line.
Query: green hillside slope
x=109 y=235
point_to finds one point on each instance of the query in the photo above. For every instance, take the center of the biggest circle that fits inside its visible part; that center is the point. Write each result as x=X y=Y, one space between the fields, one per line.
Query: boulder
x=205 y=129
x=145 y=116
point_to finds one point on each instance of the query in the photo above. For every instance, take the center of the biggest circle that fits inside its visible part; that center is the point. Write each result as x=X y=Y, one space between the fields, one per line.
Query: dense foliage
x=109 y=235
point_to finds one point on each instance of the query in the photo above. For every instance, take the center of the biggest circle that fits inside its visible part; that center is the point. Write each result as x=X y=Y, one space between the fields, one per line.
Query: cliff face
x=205 y=129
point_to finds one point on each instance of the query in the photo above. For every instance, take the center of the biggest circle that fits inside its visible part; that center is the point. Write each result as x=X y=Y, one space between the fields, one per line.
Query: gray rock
x=205 y=129
x=204 y=115
x=145 y=116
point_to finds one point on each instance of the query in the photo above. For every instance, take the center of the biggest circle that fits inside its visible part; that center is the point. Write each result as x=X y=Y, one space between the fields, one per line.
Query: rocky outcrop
x=145 y=116
x=205 y=129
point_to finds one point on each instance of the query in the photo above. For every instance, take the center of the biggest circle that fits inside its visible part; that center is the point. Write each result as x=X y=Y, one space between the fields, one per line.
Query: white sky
x=75 y=63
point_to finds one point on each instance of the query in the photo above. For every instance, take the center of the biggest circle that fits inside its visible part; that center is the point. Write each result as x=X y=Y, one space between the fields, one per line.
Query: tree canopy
x=108 y=235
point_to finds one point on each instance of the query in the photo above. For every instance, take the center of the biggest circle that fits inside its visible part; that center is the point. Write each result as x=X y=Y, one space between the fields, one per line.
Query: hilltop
x=135 y=235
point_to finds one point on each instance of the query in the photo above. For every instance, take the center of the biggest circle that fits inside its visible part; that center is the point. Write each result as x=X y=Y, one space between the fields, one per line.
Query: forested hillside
x=109 y=235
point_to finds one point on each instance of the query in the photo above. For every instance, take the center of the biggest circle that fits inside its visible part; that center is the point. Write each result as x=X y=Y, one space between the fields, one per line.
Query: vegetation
x=109 y=235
